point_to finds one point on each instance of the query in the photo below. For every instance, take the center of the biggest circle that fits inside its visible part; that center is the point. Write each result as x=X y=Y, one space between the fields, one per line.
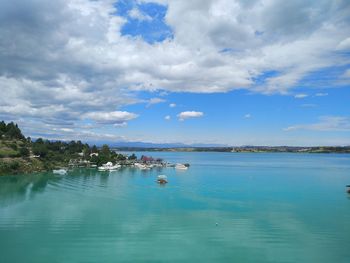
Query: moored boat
x=142 y=166
x=162 y=179
x=109 y=167
x=180 y=166
x=60 y=171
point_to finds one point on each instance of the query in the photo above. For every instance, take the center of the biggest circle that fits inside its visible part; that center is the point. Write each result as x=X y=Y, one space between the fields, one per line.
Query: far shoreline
x=243 y=149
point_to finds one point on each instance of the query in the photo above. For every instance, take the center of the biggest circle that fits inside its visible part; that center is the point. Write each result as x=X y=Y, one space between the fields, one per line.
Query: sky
x=243 y=72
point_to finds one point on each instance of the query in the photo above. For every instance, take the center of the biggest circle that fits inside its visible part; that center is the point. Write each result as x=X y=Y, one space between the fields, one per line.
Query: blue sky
x=215 y=72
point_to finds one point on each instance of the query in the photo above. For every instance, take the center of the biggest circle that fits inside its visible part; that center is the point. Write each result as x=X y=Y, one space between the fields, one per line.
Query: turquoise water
x=227 y=207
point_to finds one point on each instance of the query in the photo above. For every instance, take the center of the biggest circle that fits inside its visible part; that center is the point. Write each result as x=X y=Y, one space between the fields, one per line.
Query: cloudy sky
x=269 y=72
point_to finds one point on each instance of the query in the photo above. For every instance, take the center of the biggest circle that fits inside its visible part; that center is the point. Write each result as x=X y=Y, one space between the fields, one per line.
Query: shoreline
x=316 y=150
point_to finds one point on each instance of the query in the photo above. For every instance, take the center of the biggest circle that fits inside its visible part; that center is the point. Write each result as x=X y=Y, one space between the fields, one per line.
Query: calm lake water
x=227 y=207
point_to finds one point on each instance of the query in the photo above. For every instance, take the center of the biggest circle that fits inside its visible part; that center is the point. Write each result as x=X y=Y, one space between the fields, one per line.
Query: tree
x=24 y=151
x=40 y=149
x=121 y=157
x=132 y=157
x=39 y=141
x=2 y=128
x=94 y=149
x=86 y=153
x=95 y=159
x=11 y=131
x=105 y=150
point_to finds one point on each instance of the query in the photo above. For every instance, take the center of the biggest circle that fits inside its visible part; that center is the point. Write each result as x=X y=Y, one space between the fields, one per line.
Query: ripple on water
x=235 y=208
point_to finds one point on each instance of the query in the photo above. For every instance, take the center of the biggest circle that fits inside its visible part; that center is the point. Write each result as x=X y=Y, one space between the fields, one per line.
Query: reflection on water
x=19 y=188
x=225 y=208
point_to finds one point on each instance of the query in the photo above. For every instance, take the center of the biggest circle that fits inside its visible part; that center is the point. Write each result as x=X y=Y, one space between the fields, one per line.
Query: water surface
x=228 y=207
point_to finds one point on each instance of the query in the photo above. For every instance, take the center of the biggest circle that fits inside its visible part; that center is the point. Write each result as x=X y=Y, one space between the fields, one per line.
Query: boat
x=114 y=167
x=181 y=166
x=102 y=169
x=142 y=166
x=162 y=179
x=348 y=189
x=108 y=167
x=60 y=171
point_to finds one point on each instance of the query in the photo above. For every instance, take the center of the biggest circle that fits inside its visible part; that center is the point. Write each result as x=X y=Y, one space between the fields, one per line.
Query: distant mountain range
x=159 y=145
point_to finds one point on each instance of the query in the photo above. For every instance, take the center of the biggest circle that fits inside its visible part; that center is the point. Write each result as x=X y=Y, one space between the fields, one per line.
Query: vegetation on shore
x=22 y=155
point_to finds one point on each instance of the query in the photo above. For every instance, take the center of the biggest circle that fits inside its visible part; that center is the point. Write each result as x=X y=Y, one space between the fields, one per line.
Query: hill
x=22 y=155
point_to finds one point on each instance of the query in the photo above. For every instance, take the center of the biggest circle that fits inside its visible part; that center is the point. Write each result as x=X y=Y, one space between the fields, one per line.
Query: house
x=146 y=159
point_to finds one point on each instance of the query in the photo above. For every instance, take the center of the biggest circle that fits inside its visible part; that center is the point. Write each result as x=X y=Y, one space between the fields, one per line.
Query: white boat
x=180 y=166
x=109 y=167
x=142 y=166
x=114 y=167
x=60 y=171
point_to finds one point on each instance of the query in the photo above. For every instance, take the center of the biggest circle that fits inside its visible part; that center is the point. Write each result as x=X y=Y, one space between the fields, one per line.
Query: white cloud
x=153 y=101
x=172 y=105
x=247 y=116
x=58 y=68
x=121 y=124
x=326 y=123
x=115 y=117
x=301 y=96
x=189 y=114
x=321 y=94
x=291 y=38
x=167 y=117
x=135 y=13
x=346 y=74
x=67 y=130
x=344 y=45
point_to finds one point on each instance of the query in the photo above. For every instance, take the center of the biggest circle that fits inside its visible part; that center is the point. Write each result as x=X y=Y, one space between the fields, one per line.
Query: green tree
x=94 y=149
x=40 y=149
x=10 y=131
x=121 y=157
x=105 y=151
x=86 y=153
x=24 y=151
x=132 y=157
x=39 y=141
x=2 y=128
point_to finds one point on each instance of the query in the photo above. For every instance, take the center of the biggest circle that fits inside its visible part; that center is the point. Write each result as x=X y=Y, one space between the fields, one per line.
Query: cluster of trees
x=55 y=150
x=64 y=151
x=48 y=149
x=49 y=154
x=10 y=131
x=105 y=155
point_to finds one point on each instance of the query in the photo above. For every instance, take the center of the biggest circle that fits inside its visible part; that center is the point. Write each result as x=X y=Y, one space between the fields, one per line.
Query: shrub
x=14 y=146
x=14 y=166
x=24 y=151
